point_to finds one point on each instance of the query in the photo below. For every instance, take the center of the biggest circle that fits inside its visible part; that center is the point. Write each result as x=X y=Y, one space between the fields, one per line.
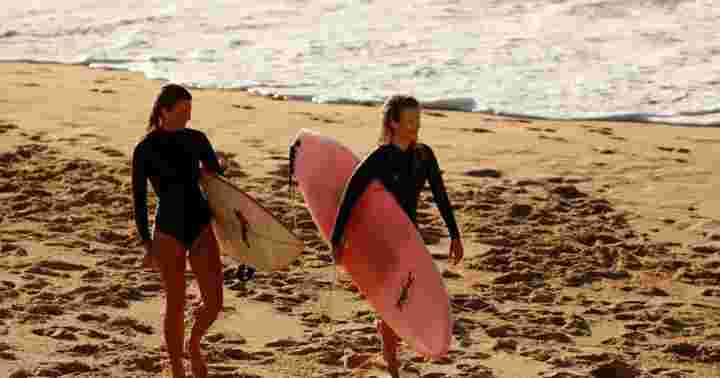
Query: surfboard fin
x=245 y=227
x=405 y=291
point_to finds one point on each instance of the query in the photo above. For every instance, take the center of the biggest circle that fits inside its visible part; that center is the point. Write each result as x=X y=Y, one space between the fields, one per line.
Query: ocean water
x=644 y=60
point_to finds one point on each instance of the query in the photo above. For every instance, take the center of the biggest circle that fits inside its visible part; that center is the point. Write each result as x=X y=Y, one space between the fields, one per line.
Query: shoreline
x=684 y=118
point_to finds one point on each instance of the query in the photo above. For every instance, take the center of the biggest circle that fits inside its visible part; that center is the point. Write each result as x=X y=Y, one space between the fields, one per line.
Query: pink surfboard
x=384 y=253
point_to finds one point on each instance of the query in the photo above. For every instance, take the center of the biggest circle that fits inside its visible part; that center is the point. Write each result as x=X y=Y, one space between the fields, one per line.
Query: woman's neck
x=168 y=129
x=403 y=145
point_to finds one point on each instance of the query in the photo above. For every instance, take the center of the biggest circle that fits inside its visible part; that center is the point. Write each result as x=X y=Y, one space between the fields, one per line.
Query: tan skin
x=168 y=256
x=405 y=135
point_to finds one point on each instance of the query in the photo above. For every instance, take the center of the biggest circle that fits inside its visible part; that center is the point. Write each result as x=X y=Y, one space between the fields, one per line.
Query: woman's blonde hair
x=391 y=110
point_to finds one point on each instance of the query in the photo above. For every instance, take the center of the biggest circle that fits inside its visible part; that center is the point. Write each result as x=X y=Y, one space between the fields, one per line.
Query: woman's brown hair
x=169 y=95
x=391 y=110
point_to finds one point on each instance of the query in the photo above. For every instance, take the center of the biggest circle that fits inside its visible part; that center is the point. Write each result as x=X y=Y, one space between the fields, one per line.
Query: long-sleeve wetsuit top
x=404 y=174
x=170 y=159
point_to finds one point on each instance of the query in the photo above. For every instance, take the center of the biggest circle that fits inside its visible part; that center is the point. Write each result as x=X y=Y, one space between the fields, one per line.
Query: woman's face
x=409 y=125
x=178 y=116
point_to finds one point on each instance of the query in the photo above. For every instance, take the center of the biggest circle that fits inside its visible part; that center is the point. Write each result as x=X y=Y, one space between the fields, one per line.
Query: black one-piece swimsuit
x=170 y=160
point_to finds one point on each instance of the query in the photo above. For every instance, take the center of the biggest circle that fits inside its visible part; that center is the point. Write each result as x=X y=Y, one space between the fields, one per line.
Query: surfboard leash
x=291 y=187
x=292 y=196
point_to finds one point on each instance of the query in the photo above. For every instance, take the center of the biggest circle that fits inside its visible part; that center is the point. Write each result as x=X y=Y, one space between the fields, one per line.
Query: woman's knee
x=386 y=331
x=214 y=303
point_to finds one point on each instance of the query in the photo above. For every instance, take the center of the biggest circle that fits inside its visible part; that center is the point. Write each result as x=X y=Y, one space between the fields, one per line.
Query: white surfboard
x=245 y=230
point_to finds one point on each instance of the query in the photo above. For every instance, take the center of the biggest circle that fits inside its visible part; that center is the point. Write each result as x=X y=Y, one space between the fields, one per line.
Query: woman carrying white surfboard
x=169 y=156
x=403 y=166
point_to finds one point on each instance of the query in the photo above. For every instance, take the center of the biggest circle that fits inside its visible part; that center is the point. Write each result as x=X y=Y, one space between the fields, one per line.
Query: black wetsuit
x=404 y=174
x=170 y=159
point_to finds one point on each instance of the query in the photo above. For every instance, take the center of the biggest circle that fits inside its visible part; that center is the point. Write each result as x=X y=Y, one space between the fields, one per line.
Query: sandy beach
x=591 y=248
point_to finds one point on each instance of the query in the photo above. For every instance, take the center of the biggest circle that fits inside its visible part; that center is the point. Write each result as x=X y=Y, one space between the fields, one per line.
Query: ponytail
x=169 y=95
x=154 y=121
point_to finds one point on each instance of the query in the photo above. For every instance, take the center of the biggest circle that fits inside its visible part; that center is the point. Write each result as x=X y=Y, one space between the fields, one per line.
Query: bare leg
x=172 y=269
x=390 y=342
x=207 y=267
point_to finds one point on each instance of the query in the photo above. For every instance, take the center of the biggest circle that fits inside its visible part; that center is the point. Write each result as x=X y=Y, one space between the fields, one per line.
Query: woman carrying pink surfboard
x=403 y=166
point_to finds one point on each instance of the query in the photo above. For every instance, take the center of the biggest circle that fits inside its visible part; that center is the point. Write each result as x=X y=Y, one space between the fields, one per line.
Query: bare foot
x=167 y=371
x=393 y=367
x=197 y=362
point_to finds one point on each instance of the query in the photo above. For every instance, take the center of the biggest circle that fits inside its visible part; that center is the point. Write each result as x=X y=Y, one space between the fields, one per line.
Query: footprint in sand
x=46 y=310
x=6 y=126
x=128 y=263
x=7 y=158
x=58 y=333
x=112 y=299
x=111 y=237
x=38 y=137
x=254 y=142
x=147 y=362
x=95 y=334
x=605 y=151
x=556 y=139
x=111 y=152
x=87 y=317
x=103 y=91
x=6 y=352
x=10 y=249
x=484 y=172
x=476 y=130
x=128 y=326
x=42 y=271
x=244 y=107
x=54 y=268
x=60 y=265
x=282 y=170
x=86 y=350
x=72 y=125
x=93 y=276
x=29 y=151
x=599 y=130
x=34 y=283
x=92 y=136
x=64 y=368
x=94 y=108
x=318 y=117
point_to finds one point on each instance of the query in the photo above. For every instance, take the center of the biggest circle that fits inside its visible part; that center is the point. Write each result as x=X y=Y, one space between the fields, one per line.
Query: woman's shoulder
x=196 y=134
x=424 y=151
x=192 y=131
x=383 y=150
x=144 y=141
x=386 y=147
